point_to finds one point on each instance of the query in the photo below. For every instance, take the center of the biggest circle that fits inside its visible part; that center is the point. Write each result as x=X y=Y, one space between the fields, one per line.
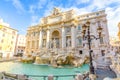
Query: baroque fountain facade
x=58 y=40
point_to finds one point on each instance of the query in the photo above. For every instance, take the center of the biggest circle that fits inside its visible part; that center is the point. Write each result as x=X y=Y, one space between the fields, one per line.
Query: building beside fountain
x=7 y=39
x=61 y=33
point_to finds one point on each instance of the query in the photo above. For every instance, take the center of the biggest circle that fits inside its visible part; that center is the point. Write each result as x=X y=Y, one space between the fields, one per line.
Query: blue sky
x=20 y=14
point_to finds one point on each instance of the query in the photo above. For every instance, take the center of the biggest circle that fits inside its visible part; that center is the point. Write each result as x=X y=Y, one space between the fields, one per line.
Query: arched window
x=68 y=30
x=79 y=27
x=44 y=42
x=80 y=52
x=101 y=40
x=79 y=41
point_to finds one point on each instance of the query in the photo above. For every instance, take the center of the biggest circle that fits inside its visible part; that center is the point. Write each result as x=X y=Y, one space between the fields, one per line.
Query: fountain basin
x=32 y=69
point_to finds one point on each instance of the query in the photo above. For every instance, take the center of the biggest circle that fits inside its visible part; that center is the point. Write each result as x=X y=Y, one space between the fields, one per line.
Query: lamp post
x=86 y=35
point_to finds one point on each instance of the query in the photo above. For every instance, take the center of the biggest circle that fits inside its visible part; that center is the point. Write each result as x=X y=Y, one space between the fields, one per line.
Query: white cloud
x=77 y=2
x=31 y=9
x=39 y=6
x=18 y=5
x=34 y=20
x=113 y=17
x=41 y=3
x=98 y=4
x=22 y=30
x=84 y=1
x=50 y=6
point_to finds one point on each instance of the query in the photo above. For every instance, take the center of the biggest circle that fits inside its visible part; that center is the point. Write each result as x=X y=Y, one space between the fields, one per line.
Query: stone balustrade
x=91 y=15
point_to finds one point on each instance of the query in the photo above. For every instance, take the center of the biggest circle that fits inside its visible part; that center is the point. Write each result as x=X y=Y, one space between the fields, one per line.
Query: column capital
x=40 y=28
x=93 y=21
x=62 y=25
x=47 y=29
x=73 y=34
x=73 y=25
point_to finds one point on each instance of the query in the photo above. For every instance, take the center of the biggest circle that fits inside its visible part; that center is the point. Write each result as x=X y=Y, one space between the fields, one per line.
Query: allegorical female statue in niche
x=68 y=42
x=54 y=43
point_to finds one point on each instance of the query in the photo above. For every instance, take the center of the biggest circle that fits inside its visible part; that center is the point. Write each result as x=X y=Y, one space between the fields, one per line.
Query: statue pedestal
x=92 y=77
x=50 y=77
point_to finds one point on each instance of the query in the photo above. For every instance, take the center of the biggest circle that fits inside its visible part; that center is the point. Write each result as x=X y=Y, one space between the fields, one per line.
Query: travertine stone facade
x=62 y=31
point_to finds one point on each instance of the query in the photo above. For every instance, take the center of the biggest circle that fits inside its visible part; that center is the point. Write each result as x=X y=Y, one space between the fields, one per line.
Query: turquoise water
x=32 y=69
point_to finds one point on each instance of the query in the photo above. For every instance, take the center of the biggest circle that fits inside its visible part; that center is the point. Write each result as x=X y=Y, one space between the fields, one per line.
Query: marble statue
x=56 y=11
x=54 y=43
x=68 y=42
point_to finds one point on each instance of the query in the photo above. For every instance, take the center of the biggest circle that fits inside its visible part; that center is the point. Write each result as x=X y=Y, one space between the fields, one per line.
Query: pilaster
x=40 y=39
x=63 y=37
x=73 y=37
x=105 y=31
x=94 y=26
x=48 y=38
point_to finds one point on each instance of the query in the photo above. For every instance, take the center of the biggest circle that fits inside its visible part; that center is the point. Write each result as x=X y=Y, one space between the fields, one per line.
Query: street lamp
x=86 y=35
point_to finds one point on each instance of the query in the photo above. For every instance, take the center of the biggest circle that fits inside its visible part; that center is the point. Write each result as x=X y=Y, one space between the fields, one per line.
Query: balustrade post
x=79 y=77
x=50 y=77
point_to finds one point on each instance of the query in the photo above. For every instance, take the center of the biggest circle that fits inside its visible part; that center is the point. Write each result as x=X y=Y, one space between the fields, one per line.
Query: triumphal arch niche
x=61 y=32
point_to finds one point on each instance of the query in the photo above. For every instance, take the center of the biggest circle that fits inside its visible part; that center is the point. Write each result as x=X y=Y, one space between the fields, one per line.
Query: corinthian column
x=73 y=38
x=40 y=39
x=63 y=37
x=48 y=38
